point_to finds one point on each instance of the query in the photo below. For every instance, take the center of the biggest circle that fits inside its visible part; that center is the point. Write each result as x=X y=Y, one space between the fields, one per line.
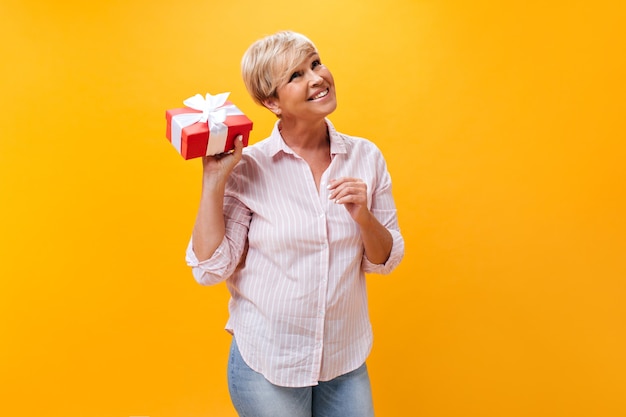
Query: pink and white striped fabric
x=298 y=303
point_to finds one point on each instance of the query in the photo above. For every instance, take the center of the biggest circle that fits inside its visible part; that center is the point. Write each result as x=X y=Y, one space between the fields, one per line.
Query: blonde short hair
x=269 y=62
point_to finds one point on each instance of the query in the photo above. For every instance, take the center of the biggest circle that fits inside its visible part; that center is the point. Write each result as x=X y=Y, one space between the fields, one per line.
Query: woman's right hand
x=209 y=229
x=217 y=168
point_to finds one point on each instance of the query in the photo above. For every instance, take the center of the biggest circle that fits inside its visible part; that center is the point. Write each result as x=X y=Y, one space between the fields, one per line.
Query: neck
x=304 y=135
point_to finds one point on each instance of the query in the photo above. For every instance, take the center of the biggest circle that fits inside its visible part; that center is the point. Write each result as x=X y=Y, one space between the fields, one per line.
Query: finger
x=239 y=143
x=334 y=183
x=350 y=200
x=338 y=183
x=355 y=195
x=354 y=187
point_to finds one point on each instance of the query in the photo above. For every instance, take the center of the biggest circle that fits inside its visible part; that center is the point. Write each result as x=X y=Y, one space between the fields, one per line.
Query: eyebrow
x=304 y=61
x=295 y=67
x=309 y=56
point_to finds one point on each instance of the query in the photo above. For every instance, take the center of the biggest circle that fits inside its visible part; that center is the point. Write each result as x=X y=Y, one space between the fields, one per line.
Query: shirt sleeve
x=227 y=256
x=213 y=270
x=396 y=255
x=383 y=207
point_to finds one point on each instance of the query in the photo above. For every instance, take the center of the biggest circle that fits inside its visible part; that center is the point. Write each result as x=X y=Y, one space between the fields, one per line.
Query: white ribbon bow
x=214 y=112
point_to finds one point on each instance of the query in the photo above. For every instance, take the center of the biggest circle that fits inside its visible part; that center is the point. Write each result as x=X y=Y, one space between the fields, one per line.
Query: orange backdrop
x=503 y=126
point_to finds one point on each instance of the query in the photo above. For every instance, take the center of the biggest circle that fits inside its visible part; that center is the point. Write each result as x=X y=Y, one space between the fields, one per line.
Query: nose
x=314 y=78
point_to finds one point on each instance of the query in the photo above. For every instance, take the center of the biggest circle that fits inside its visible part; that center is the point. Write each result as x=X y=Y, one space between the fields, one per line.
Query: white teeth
x=320 y=95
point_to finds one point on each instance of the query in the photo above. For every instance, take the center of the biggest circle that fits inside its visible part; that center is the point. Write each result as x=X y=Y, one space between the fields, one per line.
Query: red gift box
x=207 y=126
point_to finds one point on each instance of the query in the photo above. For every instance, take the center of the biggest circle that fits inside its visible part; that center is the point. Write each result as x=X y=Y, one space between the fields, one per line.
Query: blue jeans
x=348 y=395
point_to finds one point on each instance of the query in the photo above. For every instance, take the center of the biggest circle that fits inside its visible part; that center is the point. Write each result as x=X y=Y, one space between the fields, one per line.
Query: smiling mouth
x=319 y=95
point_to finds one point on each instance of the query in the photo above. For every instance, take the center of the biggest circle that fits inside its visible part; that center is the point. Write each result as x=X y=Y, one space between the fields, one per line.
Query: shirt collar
x=277 y=144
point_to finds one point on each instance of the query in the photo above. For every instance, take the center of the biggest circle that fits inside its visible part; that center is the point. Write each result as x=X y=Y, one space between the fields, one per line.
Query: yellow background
x=503 y=126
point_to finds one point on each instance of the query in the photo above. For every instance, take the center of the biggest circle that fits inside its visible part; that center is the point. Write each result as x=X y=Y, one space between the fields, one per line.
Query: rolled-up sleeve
x=213 y=270
x=383 y=207
x=396 y=255
x=227 y=256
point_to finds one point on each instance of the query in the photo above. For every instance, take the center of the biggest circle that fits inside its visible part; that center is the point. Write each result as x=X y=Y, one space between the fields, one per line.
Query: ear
x=272 y=104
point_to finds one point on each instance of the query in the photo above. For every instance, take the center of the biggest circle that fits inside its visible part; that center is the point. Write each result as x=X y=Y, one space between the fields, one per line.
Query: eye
x=316 y=63
x=294 y=76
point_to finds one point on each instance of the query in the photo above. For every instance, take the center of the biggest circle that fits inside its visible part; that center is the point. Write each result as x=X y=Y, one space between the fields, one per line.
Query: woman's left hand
x=352 y=193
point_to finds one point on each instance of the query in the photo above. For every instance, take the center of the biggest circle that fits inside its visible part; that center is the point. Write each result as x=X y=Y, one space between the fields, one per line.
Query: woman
x=292 y=224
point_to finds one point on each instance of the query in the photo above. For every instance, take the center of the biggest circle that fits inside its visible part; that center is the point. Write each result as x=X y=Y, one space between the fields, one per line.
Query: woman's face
x=308 y=94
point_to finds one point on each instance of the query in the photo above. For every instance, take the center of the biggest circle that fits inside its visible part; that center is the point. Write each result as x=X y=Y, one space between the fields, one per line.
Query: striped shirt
x=294 y=262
